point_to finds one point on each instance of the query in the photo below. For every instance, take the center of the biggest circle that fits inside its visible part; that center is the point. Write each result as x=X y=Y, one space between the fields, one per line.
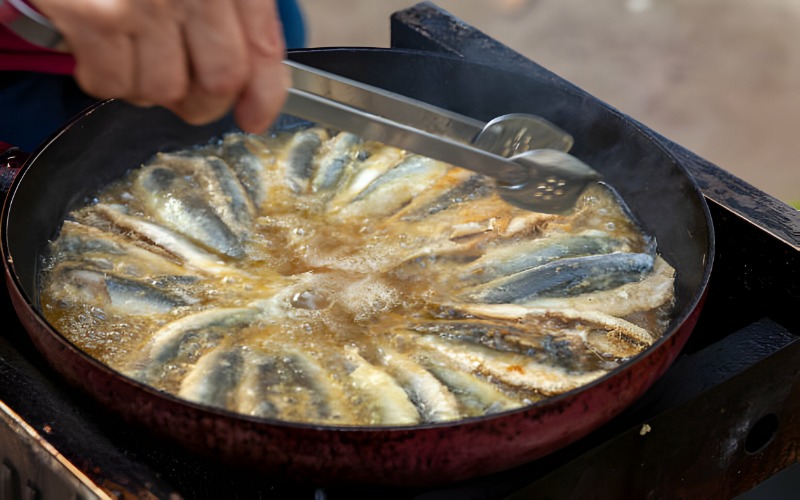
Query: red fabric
x=17 y=54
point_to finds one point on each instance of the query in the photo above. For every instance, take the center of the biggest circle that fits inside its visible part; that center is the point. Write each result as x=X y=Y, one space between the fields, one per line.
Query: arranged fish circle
x=310 y=276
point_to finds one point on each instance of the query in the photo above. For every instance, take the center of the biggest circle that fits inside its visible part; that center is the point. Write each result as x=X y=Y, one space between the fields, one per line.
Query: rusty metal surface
x=31 y=468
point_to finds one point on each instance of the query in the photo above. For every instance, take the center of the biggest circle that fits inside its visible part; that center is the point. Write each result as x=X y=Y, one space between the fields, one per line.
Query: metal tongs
x=526 y=154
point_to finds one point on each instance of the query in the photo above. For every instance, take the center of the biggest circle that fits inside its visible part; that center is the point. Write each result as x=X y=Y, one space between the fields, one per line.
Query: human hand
x=198 y=58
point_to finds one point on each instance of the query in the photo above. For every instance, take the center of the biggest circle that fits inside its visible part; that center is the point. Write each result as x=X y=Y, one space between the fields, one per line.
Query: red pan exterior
x=403 y=456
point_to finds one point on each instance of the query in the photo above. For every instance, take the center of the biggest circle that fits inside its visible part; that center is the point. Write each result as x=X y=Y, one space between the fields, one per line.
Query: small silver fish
x=340 y=152
x=565 y=277
x=185 y=339
x=110 y=292
x=309 y=276
x=213 y=378
x=177 y=203
x=191 y=254
x=222 y=189
x=299 y=158
x=434 y=402
x=390 y=401
x=513 y=369
x=250 y=168
x=477 y=396
x=520 y=255
x=290 y=385
x=124 y=257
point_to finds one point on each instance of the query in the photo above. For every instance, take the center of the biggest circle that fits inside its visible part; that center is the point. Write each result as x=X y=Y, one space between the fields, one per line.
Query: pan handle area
x=11 y=160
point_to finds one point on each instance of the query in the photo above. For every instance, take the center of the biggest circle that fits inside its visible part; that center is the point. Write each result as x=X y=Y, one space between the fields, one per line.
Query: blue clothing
x=36 y=105
x=294 y=29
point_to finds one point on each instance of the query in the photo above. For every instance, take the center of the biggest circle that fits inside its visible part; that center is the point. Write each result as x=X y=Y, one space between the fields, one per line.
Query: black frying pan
x=112 y=137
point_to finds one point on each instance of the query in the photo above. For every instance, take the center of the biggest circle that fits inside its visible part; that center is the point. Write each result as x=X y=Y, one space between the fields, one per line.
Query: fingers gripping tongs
x=524 y=153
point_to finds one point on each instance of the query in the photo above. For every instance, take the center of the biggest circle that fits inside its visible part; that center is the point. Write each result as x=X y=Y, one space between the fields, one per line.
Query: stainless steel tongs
x=524 y=153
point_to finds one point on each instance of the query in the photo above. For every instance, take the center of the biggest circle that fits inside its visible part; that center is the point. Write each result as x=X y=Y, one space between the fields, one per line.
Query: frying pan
x=108 y=139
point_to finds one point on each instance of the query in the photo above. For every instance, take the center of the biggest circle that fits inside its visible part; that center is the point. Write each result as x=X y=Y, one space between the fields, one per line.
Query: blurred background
x=720 y=77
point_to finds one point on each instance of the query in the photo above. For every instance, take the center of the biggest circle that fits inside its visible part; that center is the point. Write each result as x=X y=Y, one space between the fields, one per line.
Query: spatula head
x=555 y=181
x=515 y=133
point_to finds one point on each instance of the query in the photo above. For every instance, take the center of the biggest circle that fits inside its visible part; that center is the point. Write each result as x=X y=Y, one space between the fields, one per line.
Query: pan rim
x=675 y=324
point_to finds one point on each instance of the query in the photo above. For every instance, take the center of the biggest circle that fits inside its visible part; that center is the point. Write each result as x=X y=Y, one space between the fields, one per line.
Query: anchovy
x=652 y=292
x=559 y=319
x=213 y=378
x=565 y=277
x=391 y=403
x=518 y=256
x=119 y=254
x=340 y=151
x=289 y=385
x=223 y=191
x=457 y=187
x=433 y=400
x=176 y=203
x=513 y=369
x=185 y=339
x=355 y=180
x=176 y=244
x=299 y=158
x=538 y=340
x=477 y=396
x=251 y=169
x=106 y=290
x=397 y=187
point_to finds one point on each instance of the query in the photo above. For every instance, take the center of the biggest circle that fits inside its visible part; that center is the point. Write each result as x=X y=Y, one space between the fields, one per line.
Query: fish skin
x=389 y=400
x=192 y=255
x=652 y=292
x=137 y=298
x=394 y=189
x=212 y=379
x=433 y=400
x=354 y=180
x=477 y=396
x=125 y=257
x=479 y=331
x=110 y=292
x=249 y=168
x=513 y=369
x=635 y=337
x=458 y=186
x=223 y=191
x=269 y=377
x=176 y=203
x=505 y=260
x=250 y=394
x=542 y=345
x=299 y=158
x=341 y=151
x=204 y=330
x=565 y=277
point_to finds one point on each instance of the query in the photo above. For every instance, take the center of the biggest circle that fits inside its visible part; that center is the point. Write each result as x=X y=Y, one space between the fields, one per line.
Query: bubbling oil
x=321 y=279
